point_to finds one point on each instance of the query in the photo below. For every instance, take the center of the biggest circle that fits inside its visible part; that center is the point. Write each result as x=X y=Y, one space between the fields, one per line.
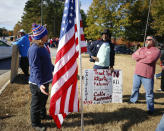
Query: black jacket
x=162 y=57
x=94 y=47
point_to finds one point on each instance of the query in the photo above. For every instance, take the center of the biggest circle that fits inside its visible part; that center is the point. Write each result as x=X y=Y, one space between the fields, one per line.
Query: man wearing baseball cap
x=102 y=52
x=23 y=44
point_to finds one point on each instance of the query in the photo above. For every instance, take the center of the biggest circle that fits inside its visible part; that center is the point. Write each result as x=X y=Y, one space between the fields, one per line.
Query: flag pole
x=80 y=62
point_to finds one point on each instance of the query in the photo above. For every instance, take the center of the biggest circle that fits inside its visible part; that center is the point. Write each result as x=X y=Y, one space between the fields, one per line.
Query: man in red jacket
x=145 y=58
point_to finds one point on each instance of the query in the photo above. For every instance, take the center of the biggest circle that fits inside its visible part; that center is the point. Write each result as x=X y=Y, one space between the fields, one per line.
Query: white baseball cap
x=22 y=30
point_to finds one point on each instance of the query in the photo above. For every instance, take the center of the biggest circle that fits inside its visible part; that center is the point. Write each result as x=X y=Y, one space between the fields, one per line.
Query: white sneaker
x=159 y=90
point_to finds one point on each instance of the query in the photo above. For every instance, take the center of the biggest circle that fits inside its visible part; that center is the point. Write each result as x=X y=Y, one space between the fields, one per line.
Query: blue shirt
x=23 y=44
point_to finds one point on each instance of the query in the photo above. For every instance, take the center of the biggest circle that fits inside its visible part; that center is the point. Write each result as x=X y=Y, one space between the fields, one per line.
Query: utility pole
x=41 y=12
x=147 y=22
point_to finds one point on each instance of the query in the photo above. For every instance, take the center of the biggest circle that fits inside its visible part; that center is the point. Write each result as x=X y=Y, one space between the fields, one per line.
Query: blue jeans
x=160 y=126
x=148 y=84
x=100 y=67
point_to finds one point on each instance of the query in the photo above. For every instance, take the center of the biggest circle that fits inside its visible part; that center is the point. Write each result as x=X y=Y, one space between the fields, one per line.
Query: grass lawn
x=16 y=98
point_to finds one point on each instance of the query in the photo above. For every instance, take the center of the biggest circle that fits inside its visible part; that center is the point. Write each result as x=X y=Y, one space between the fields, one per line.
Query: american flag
x=64 y=92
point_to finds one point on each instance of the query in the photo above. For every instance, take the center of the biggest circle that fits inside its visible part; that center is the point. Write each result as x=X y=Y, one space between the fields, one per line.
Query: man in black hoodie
x=102 y=52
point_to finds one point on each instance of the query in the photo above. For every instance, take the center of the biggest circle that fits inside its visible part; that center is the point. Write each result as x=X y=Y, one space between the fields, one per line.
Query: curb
x=4 y=86
x=4 y=81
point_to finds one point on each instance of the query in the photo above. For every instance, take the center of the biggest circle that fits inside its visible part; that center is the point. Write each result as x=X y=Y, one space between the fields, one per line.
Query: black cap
x=106 y=31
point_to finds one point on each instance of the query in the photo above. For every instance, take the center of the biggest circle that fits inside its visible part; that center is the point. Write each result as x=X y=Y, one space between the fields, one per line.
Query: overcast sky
x=12 y=10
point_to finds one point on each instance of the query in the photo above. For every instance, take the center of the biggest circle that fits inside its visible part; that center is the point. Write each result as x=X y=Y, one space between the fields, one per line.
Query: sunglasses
x=149 y=39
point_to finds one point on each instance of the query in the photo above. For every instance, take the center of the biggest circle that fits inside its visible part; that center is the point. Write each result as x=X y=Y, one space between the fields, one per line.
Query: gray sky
x=12 y=10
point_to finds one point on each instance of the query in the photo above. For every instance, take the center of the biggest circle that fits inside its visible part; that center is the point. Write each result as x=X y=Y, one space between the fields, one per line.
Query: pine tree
x=52 y=15
x=157 y=11
x=98 y=18
x=32 y=14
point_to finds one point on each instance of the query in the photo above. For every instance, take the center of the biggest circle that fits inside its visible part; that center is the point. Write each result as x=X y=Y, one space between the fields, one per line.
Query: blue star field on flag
x=68 y=17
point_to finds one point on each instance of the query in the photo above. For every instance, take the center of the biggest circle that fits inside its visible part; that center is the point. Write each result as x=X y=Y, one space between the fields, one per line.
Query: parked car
x=122 y=49
x=5 y=50
x=4 y=40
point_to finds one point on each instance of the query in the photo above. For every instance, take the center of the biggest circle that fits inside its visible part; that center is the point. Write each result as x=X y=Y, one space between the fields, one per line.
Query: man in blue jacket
x=102 y=52
x=23 y=44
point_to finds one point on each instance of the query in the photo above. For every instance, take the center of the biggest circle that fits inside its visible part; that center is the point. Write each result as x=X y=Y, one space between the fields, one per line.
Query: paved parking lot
x=5 y=65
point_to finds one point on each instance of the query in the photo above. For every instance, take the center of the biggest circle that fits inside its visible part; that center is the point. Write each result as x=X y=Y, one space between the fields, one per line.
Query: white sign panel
x=102 y=86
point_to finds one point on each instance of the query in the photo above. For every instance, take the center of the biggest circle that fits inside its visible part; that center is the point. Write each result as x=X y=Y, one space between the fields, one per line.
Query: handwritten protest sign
x=102 y=86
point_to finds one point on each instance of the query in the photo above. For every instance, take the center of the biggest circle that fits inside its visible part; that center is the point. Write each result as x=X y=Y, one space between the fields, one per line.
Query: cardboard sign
x=102 y=86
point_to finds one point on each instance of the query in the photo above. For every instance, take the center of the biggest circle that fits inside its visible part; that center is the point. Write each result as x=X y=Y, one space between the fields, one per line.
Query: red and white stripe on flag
x=83 y=44
x=64 y=92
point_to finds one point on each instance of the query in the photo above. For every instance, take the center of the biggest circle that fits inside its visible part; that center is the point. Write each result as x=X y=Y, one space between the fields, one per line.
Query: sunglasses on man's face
x=149 y=39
